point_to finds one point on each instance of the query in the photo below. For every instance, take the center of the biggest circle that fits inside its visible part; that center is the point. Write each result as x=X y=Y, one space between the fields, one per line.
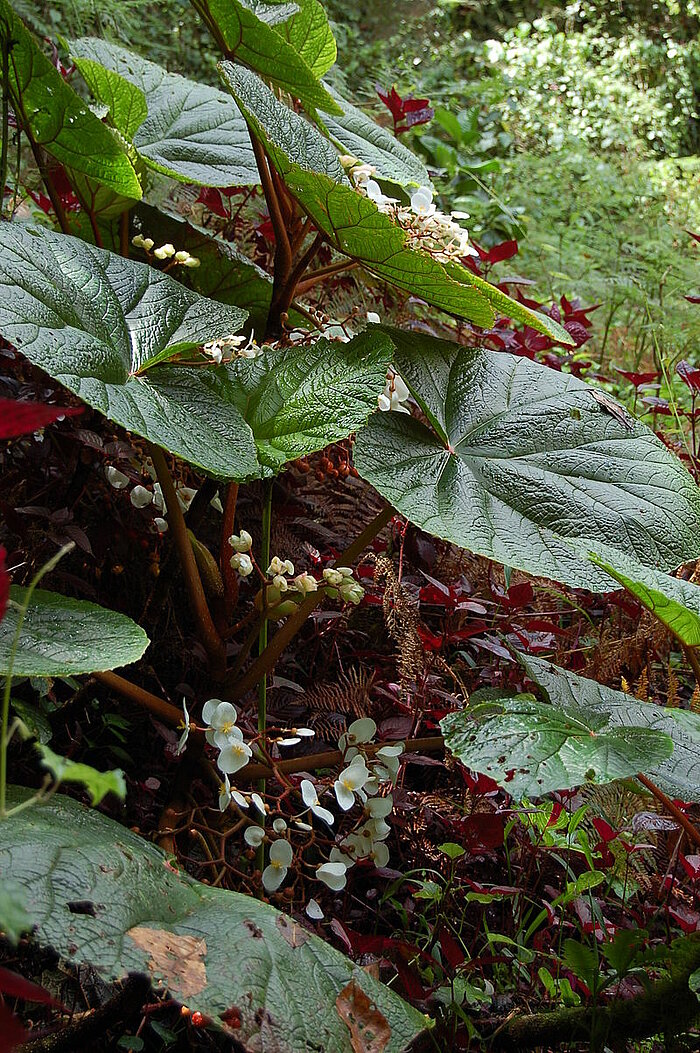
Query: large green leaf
x=99 y=324
x=56 y=117
x=253 y=33
x=299 y=400
x=358 y=135
x=673 y=601
x=531 y=748
x=679 y=776
x=521 y=458
x=105 y=327
x=353 y=224
x=64 y=637
x=189 y=131
x=210 y=949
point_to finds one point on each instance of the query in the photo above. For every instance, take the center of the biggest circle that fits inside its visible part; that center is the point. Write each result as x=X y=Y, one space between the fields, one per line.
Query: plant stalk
x=329 y=758
x=159 y=707
x=213 y=643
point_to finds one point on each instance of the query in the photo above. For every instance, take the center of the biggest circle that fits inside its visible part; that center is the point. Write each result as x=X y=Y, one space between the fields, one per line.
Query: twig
x=230 y=578
x=671 y=808
x=328 y=759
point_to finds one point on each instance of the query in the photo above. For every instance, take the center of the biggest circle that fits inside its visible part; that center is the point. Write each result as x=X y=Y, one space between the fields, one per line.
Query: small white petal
x=279 y=826
x=115 y=478
x=140 y=497
x=314 y=911
x=308 y=793
x=281 y=853
x=254 y=836
x=273 y=876
x=333 y=875
x=258 y=802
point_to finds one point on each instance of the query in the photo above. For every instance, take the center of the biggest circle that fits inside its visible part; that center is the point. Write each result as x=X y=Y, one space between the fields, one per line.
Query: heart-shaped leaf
x=188 y=131
x=105 y=327
x=679 y=776
x=56 y=117
x=64 y=637
x=521 y=458
x=220 y=953
x=358 y=135
x=531 y=748
x=353 y=224
x=253 y=33
x=99 y=324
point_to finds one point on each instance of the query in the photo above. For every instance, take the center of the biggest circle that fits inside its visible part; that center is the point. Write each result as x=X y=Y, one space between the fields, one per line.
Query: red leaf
x=691 y=865
x=210 y=197
x=605 y=831
x=695 y=236
x=4 y=583
x=452 y=951
x=16 y=986
x=505 y=250
x=693 y=299
x=637 y=378
x=12 y=1032
x=22 y=418
x=689 y=374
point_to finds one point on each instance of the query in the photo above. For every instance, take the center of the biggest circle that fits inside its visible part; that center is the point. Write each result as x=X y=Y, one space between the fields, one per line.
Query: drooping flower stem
x=262 y=641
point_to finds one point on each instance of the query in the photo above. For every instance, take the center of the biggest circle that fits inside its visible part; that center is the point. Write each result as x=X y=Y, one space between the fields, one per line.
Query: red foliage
x=405 y=112
x=23 y=418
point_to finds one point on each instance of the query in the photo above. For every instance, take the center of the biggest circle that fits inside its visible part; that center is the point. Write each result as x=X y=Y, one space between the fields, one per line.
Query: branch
x=167 y=712
x=328 y=759
x=671 y=808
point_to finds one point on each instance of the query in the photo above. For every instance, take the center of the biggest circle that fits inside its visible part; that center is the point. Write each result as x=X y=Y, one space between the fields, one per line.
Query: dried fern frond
x=401 y=620
x=672 y=699
x=349 y=694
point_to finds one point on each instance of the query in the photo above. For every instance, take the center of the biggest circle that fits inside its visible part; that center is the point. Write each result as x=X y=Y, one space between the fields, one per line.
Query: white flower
x=242 y=562
x=292 y=740
x=239 y=799
x=333 y=576
x=234 y=756
x=349 y=782
x=137 y=241
x=422 y=201
x=279 y=825
x=388 y=757
x=359 y=732
x=280 y=582
x=242 y=542
x=280 y=859
x=373 y=317
x=362 y=173
x=384 y=402
x=394 y=395
x=306 y=733
x=216 y=503
x=115 y=478
x=333 y=875
x=186 y=730
x=376 y=830
x=182 y=255
x=192 y=261
x=305 y=583
x=310 y=798
x=351 y=592
x=379 y=807
x=258 y=802
x=140 y=497
x=313 y=910
x=215 y=352
x=225 y=794
x=164 y=252
x=379 y=854
x=221 y=718
x=185 y=496
x=160 y=524
x=277 y=566
x=374 y=192
x=254 y=836
x=158 y=499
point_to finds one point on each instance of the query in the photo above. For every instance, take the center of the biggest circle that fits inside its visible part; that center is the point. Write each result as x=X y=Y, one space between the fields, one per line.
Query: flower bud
x=242 y=542
x=305 y=583
x=242 y=563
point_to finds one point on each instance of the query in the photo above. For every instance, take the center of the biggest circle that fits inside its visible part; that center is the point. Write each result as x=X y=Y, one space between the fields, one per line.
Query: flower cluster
x=232 y=346
x=394 y=395
x=143 y=497
x=281 y=580
x=180 y=257
x=224 y=733
x=427 y=228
